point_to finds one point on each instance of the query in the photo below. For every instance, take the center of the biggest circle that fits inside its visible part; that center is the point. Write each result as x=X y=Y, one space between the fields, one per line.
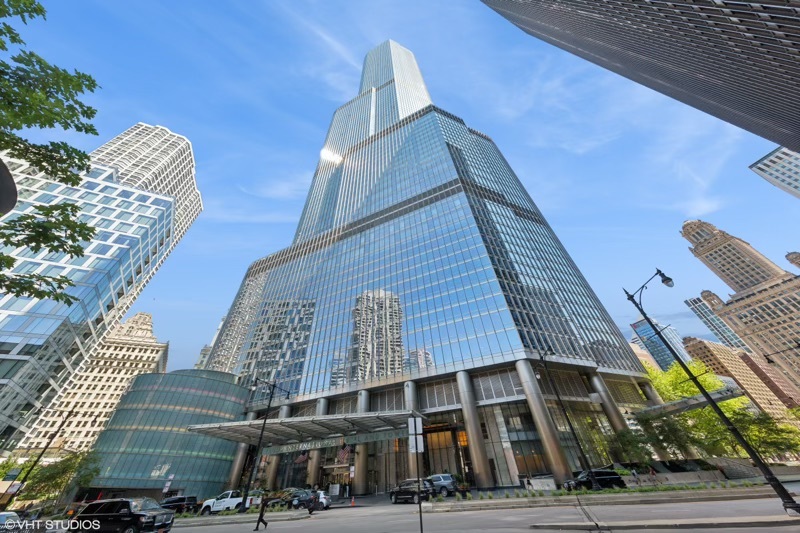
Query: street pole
x=39 y=457
x=257 y=454
x=584 y=459
x=790 y=506
x=419 y=484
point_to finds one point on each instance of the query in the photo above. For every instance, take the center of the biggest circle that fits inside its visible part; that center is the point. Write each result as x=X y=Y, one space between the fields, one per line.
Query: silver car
x=443 y=483
x=324 y=499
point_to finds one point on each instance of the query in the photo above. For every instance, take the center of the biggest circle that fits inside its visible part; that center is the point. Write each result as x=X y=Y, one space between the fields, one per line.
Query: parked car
x=409 y=491
x=324 y=499
x=124 y=515
x=181 y=504
x=228 y=500
x=445 y=484
x=10 y=521
x=294 y=499
x=607 y=479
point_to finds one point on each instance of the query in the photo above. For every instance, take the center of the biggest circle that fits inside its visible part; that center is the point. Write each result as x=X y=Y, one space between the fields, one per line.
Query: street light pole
x=257 y=455
x=789 y=504
x=584 y=459
x=39 y=457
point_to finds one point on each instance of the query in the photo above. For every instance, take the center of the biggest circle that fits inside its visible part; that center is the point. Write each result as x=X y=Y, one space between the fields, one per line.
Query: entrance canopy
x=313 y=431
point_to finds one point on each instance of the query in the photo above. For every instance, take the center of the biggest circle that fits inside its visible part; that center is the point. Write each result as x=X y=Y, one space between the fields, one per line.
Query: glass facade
x=140 y=196
x=417 y=237
x=145 y=443
x=781 y=168
x=656 y=348
x=420 y=258
x=715 y=324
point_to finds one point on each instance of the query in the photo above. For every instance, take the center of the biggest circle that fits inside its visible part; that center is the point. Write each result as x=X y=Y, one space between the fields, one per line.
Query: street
x=379 y=517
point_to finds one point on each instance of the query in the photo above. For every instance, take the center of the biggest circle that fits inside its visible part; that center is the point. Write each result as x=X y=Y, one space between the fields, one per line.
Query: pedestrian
x=528 y=484
x=653 y=475
x=635 y=475
x=312 y=503
x=262 y=509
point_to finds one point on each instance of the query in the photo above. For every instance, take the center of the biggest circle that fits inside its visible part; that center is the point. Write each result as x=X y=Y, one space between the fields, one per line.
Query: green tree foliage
x=629 y=445
x=11 y=463
x=50 y=481
x=703 y=429
x=35 y=94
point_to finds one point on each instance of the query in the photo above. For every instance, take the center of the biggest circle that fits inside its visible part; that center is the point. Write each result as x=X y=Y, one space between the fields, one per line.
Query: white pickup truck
x=231 y=499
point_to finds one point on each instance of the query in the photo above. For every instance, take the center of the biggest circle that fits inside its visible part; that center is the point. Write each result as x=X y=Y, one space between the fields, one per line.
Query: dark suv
x=444 y=484
x=123 y=515
x=408 y=490
x=181 y=504
x=607 y=479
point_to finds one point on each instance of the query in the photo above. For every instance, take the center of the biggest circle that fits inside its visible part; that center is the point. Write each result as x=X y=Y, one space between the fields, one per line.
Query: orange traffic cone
x=353 y=501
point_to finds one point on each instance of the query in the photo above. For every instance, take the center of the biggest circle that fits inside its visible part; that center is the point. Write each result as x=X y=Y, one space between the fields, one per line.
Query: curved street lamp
x=257 y=455
x=789 y=504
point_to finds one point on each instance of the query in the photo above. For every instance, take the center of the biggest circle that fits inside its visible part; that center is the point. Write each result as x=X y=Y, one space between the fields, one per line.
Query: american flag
x=344 y=454
x=302 y=458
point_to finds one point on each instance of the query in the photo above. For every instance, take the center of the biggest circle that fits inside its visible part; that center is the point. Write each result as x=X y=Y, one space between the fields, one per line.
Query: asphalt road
x=381 y=518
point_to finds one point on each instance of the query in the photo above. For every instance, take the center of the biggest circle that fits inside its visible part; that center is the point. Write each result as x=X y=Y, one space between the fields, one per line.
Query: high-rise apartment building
x=780 y=386
x=737 y=61
x=727 y=362
x=205 y=351
x=230 y=337
x=765 y=309
x=656 y=348
x=42 y=342
x=642 y=354
x=94 y=391
x=377 y=350
x=720 y=329
x=781 y=168
x=418 y=238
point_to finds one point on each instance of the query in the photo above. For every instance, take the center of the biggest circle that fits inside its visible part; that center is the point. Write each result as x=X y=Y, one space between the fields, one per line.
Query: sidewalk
x=216 y=520
x=686 y=523
x=631 y=498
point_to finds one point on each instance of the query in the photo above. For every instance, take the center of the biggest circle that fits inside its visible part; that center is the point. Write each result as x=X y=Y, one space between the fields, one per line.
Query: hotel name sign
x=388 y=434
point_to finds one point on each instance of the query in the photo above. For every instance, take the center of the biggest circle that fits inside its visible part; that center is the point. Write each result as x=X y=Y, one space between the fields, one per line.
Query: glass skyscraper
x=422 y=274
x=657 y=349
x=714 y=323
x=141 y=196
x=781 y=168
x=732 y=59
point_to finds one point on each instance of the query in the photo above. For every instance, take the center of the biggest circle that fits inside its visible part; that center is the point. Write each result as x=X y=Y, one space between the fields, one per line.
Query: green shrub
x=277 y=508
x=507 y=494
x=516 y=493
x=439 y=498
x=469 y=496
x=490 y=495
x=481 y=496
x=458 y=497
x=541 y=493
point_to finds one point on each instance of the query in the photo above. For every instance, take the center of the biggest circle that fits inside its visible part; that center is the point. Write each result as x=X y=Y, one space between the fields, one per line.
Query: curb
x=685 y=524
x=682 y=496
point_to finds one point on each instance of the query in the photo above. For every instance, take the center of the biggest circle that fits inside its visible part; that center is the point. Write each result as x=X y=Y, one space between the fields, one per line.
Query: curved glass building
x=146 y=445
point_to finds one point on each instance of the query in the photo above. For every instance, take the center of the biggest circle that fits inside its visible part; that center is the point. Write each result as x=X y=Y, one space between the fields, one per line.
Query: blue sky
x=616 y=168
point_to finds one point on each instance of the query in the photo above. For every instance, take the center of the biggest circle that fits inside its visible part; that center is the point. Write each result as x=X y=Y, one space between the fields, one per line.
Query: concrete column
x=548 y=433
x=410 y=397
x=274 y=461
x=315 y=456
x=650 y=393
x=654 y=399
x=610 y=407
x=238 y=460
x=360 y=480
x=472 y=424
